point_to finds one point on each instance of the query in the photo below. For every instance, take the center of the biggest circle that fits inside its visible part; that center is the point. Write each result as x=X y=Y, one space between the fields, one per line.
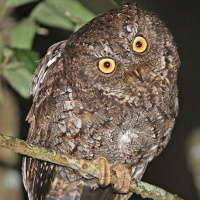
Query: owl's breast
x=123 y=132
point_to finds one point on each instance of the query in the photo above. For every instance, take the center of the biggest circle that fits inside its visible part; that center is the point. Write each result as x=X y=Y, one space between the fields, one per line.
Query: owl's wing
x=51 y=94
x=53 y=120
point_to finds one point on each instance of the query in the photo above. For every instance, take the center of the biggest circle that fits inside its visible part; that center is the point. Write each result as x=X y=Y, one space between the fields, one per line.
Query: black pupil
x=138 y=44
x=106 y=64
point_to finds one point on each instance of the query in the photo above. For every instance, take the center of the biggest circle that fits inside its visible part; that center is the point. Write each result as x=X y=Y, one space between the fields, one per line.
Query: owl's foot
x=123 y=175
x=124 y=178
x=104 y=171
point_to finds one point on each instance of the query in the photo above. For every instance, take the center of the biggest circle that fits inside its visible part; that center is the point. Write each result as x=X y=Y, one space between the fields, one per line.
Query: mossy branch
x=139 y=187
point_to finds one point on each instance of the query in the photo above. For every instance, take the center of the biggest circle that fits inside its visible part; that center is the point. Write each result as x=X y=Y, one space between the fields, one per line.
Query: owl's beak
x=134 y=72
x=137 y=74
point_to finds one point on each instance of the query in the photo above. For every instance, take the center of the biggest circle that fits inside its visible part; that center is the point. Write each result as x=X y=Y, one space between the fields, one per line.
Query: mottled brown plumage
x=126 y=116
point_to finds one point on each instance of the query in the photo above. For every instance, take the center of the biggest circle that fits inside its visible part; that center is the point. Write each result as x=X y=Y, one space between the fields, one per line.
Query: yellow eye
x=106 y=65
x=139 y=44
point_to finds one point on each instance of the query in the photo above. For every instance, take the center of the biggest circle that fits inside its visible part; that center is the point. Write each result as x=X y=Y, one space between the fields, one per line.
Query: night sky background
x=169 y=170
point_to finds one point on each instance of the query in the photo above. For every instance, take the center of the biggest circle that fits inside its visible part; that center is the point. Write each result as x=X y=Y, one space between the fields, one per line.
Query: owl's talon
x=104 y=171
x=124 y=178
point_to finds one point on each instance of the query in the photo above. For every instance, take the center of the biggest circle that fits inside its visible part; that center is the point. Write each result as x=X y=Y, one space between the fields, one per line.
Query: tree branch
x=139 y=187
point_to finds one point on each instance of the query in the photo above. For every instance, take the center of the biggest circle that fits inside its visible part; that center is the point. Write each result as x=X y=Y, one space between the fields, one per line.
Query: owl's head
x=123 y=49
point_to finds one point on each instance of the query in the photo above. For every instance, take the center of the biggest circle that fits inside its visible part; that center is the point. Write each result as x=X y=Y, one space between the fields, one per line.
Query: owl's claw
x=124 y=178
x=123 y=175
x=104 y=171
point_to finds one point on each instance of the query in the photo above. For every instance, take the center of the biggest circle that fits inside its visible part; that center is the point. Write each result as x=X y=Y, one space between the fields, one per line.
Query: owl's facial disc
x=108 y=65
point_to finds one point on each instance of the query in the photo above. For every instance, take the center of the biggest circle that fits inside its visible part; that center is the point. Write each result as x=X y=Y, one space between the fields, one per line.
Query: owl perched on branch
x=107 y=94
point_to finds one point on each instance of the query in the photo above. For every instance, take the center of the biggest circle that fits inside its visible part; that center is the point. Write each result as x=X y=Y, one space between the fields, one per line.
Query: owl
x=107 y=94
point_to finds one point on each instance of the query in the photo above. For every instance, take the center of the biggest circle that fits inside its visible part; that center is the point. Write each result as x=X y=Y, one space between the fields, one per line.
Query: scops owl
x=108 y=92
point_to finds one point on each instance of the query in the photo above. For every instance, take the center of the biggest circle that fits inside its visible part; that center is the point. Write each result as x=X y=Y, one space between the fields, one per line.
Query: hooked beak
x=137 y=74
x=133 y=72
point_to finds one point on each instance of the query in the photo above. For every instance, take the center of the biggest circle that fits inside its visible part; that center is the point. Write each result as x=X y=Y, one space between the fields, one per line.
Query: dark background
x=169 y=170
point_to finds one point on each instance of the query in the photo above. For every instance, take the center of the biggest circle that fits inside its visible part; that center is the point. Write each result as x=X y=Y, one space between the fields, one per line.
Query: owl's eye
x=139 y=44
x=106 y=65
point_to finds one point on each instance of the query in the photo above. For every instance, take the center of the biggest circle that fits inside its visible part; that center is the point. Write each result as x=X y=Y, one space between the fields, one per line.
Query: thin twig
x=139 y=187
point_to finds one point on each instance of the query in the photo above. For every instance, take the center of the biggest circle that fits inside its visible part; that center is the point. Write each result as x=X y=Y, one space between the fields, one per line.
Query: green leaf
x=23 y=34
x=117 y=3
x=1 y=96
x=28 y=57
x=8 y=54
x=48 y=15
x=1 y=47
x=18 y=77
x=14 y=3
x=73 y=9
